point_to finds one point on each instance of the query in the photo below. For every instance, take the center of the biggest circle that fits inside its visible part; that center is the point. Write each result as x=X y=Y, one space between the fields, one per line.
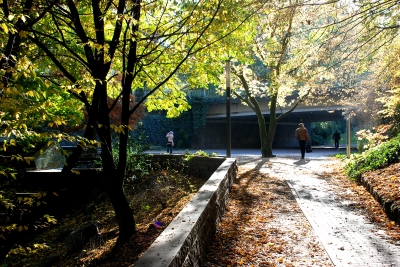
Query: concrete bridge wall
x=245 y=130
x=245 y=134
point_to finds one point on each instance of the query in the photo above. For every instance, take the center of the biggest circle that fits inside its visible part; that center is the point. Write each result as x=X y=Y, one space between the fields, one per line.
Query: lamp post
x=348 y=148
x=228 y=107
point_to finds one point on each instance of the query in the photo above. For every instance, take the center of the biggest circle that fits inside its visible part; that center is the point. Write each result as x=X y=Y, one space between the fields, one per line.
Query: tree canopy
x=68 y=63
x=96 y=54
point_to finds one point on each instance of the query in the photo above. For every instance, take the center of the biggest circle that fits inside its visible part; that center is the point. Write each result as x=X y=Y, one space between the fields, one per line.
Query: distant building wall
x=244 y=134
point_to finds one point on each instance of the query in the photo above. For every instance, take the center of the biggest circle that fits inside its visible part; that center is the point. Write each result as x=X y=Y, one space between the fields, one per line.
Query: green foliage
x=375 y=158
x=25 y=144
x=198 y=112
x=16 y=155
x=185 y=127
x=137 y=161
x=341 y=156
x=369 y=138
x=95 y=51
x=322 y=132
x=21 y=215
x=200 y=153
x=30 y=143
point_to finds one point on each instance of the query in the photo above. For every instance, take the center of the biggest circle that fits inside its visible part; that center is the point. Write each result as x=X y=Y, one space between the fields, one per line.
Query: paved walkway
x=349 y=238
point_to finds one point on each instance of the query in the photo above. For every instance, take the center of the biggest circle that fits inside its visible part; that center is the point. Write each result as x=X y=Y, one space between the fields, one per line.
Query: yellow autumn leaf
x=4 y=27
x=23 y=34
x=28 y=160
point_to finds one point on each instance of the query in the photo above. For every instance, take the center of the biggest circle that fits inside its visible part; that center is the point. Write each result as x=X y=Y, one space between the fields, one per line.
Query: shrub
x=375 y=158
x=138 y=162
x=199 y=153
x=367 y=139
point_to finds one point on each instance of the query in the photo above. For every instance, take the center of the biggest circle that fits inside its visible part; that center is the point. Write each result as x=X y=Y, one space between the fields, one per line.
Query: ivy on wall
x=186 y=127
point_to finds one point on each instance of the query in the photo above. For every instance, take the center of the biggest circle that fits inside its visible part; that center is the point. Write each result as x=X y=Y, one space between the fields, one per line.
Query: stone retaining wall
x=201 y=167
x=391 y=210
x=185 y=241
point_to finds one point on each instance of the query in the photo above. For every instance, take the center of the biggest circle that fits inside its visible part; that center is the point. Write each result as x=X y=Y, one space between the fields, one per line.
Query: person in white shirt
x=170 y=142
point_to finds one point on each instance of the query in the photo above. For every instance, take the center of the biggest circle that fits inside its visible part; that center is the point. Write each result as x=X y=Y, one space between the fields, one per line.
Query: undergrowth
x=375 y=158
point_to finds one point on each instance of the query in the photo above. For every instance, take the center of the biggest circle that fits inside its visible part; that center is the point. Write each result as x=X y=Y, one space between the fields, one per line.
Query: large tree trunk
x=262 y=126
x=115 y=176
x=123 y=212
x=267 y=137
x=115 y=179
x=126 y=221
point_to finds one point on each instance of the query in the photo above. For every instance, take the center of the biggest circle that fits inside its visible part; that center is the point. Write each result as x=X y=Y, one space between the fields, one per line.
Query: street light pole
x=228 y=107
x=348 y=148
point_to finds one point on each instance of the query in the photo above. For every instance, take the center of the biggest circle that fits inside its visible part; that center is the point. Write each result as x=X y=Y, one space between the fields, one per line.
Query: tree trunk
x=115 y=176
x=265 y=151
x=115 y=179
x=123 y=212
x=267 y=137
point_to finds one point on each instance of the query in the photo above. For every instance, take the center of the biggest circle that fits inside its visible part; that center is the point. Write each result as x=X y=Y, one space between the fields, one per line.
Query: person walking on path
x=336 y=138
x=302 y=136
x=170 y=142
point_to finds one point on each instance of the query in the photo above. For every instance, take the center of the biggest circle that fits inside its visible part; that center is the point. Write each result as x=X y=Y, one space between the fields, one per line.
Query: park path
x=349 y=238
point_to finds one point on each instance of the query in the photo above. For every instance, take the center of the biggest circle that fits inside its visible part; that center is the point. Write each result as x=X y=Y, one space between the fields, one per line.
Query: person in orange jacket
x=302 y=136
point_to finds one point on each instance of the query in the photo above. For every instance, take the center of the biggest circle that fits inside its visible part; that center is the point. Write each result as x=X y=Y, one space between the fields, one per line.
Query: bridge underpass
x=245 y=129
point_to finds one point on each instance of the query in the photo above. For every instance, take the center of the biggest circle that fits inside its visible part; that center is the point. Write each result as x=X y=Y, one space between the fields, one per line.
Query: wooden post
x=348 y=148
x=228 y=107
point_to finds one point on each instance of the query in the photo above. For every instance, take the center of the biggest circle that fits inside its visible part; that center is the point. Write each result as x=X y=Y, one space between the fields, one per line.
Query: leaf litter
x=154 y=202
x=264 y=226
